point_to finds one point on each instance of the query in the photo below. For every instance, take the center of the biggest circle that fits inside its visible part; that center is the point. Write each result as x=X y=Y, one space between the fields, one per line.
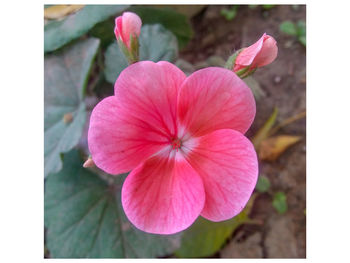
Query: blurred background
x=83 y=216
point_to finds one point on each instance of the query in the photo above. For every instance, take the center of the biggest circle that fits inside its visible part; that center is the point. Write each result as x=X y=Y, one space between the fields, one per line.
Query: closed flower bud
x=261 y=53
x=127 y=26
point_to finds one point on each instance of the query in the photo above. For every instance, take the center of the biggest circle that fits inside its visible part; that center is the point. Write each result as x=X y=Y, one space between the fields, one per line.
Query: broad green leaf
x=156 y=44
x=289 y=28
x=205 y=237
x=175 y=22
x=65 y=77
x=280 y=202
x=263 y=184
x=84 y=218
x=61 y=32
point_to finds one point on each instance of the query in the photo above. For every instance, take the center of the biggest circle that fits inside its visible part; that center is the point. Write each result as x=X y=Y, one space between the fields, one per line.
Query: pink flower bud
x=89 y=163
x=261 y=53
x=127 y=25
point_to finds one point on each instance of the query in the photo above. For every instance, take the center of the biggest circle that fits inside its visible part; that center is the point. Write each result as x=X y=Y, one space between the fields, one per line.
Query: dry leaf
x=60 y=11
x=287 y=122
x=271 y=148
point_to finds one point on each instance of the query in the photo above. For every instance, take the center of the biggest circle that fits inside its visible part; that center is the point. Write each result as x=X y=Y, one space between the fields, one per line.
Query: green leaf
x=65 y=78
x=156 y=44
x=267 y=7
x=289 y=28
x=301 y=32
x=301 y=26
x=104 y=31
x=229 y=14
x=263 y=184
x=280 y=202
x=59 y=33
x=302 y=40
x=176 y=22
x=204 y=237
x=85 y=219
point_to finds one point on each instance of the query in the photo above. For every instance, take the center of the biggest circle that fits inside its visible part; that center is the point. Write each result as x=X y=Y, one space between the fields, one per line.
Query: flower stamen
x=176 y=144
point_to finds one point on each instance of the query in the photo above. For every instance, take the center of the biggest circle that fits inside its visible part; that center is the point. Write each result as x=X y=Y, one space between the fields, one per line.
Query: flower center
x=175 y=143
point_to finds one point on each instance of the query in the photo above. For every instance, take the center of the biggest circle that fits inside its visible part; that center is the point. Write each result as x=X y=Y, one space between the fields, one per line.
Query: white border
x=328 y=129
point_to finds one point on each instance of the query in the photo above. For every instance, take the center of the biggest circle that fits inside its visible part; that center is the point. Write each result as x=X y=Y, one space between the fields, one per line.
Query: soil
x=281 y=84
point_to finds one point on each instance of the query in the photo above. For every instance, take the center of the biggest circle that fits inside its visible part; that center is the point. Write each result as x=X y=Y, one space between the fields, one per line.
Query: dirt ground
x=283 y=85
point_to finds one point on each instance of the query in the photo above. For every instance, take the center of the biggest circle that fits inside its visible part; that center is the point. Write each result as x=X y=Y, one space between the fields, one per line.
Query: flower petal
x=163 y=195
x=227 y=162
x=149 y=92
x=119 y=141
x=131 y=26
x=215 y=98
x=268 y=52
x=246 y=57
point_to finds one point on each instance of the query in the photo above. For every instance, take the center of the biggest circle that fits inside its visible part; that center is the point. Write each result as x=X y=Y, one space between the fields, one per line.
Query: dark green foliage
x=59 y=33
x=84 y=218
x=65 y=77
x=156 y=43
x=173 y=21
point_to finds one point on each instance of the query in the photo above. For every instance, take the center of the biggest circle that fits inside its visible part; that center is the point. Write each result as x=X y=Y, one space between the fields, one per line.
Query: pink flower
x=127 y=25
x=261 y=53
x=182 y=138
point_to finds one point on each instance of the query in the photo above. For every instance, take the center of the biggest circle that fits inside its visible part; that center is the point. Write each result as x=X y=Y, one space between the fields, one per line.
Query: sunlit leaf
x=156 y=44
x=60 y=11
x=271 y=148
x=280 y=202
x=173 y=21
x=65 y=77
x=84 y=218
x=58 y=33
x=264 y=130
x=205 y=237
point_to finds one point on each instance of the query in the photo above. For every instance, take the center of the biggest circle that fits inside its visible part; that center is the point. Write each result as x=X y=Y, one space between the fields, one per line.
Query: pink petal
x=118 y=28
x=131 y=26
x=163 y=195
x=268 y=52
x=246 y=57
x=119 y=141
x=148 y=91
x=227 y=162
x=215 y=98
